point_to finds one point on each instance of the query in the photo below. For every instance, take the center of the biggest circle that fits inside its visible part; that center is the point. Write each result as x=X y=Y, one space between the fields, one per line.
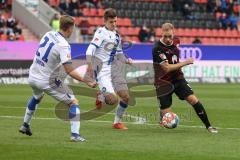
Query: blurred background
x=209 y=31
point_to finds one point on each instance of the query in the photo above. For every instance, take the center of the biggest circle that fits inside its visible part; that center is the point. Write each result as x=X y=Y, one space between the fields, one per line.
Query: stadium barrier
x=213 y=64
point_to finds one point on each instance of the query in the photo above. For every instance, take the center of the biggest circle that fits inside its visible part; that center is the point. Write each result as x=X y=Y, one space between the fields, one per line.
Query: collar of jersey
x=108 y=29
x=161 y=40
x=61 y=34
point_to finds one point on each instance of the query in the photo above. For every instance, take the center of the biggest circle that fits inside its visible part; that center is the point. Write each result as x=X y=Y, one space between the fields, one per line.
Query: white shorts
x=111 y=82
x=61 y=93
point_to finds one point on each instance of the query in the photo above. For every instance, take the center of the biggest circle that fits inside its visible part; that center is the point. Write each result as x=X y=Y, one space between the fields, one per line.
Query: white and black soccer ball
x=170 y=120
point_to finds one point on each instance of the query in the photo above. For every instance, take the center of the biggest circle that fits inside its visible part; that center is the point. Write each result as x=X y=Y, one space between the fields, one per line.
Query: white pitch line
x=39 y=108
x=97 y=121
x=138 y=120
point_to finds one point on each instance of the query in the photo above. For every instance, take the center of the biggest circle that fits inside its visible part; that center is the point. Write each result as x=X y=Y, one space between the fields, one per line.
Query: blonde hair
x=167 y=27
x=66 y=22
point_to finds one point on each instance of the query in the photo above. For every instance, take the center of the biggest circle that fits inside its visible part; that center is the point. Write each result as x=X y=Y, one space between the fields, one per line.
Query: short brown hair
x=167 y=27
x=110 y=13
x=66 y=22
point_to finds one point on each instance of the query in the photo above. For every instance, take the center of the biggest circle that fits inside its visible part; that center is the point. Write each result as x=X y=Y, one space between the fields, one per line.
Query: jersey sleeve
x=158 y=56
x=65 y=54
x=98 y=38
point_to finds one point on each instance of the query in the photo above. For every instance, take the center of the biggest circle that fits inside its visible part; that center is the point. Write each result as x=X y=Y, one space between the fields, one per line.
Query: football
x=170 y=120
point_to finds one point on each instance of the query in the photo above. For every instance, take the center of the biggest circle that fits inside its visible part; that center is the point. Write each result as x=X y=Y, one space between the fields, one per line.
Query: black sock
x=198 y=107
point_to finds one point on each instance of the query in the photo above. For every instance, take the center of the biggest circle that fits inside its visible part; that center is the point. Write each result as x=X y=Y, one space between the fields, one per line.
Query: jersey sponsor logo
x=109 y=46
x=162 y=56
x=187 y=52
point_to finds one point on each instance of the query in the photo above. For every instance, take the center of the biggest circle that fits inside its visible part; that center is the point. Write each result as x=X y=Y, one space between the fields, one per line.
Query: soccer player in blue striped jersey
x=103 y=56
x=54 y=52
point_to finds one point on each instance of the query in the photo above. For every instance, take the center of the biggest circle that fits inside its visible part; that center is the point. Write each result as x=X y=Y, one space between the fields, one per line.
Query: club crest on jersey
x=96 y=39
x=162 y=56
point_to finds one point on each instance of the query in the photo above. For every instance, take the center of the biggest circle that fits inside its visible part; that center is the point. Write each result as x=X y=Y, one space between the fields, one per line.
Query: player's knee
x=39 y=98
x=125 y=98
x=32 y=104
x=192 y=99
x=111 y=99
x=74 y=102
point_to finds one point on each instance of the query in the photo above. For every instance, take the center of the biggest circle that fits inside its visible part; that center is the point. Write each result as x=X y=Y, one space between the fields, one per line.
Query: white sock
x=75 y=121
x=101 y=97
x=75 y=126
x=28 y=115
x=119 y=113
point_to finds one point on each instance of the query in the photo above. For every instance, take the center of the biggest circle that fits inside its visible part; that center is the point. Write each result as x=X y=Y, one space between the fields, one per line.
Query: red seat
x=93 y=12
x=123 y=31
x=232 y=41
x=120 y=22
x=217 y=41
x=214 y=33
x=225 y=41
x=213 y=41
x=100 y=12
x=194 y=32
x=228 y=33
x=221 y=33
x=238 y=41
x=21 y=38
x=200 y=33
x=134 y=31
x=159 y=32
x=54 y=3
x=184 y=40
x=207 y=32
x=205 y=41
x=234 y=33
x=187 y=32
x=99 y=21
x=77 y=20
x=127 y=22
x=179 y=32
x=4 y=37
x=86 y=12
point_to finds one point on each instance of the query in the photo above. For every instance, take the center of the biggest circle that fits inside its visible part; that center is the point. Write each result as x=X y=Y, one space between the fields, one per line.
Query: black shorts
x=181 y=88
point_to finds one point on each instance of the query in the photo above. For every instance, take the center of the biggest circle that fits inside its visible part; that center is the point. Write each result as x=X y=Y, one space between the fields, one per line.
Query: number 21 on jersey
x=47 y=46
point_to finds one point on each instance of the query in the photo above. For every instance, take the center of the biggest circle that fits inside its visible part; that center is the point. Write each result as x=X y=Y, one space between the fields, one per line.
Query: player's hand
x=129 y=61
x=92 y=84
x=189 y=61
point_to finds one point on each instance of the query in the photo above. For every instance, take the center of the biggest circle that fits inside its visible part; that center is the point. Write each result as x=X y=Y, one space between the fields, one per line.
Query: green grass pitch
x=148 y=141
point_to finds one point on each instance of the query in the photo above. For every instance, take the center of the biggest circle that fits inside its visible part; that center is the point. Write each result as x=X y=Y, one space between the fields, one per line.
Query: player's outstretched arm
x=89 y=55
x=74 y=74
x=172 y=67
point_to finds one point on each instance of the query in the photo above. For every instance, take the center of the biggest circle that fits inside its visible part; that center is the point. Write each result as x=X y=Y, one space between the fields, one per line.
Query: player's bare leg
x=105 y=98
x=199 y=109
x=123 y=104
